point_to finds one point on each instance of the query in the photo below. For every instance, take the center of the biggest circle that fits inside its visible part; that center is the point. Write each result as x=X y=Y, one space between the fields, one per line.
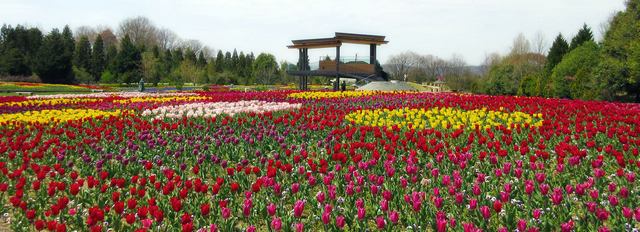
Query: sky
x=469 y=28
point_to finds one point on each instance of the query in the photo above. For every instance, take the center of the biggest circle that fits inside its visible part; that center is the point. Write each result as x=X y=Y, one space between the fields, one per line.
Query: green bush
x=108 y=78
x=574 y=76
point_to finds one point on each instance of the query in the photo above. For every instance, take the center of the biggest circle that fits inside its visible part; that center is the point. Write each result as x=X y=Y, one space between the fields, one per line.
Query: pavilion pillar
x=372 y=54
x=336 y=85
x=300 y=68
x=305 y=78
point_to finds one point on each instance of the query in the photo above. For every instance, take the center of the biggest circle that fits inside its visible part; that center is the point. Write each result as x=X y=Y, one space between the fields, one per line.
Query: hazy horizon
x=469 y=28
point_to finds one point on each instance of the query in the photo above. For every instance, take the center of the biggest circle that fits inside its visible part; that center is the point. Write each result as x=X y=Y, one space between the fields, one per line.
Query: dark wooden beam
x=336 y=85
x=372 y=54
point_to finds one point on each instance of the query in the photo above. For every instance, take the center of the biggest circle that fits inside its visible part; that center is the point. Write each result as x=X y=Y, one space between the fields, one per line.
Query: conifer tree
x=53 y=62
x=128 y=62
x=98 y=61
x=202 y=61
x=557 y=51
x=219 y=62
x=584 y=35
x=82 y=54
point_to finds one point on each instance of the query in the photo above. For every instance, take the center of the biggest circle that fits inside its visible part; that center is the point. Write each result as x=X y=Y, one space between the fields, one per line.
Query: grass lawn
x=12 y=87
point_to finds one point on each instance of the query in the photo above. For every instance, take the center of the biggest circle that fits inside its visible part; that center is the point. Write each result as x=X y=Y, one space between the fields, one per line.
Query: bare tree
x=87 y=31
x=539 y=43
x=167 y=39
x=456 y=65
x=207 y=51
x=399 y=65
x=140 y=29
x=490 y=60
x=520 y=45
x=192 y=44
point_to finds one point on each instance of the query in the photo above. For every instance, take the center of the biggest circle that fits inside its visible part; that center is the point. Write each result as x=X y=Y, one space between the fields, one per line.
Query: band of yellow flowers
x=62 y=115
x=442 y=118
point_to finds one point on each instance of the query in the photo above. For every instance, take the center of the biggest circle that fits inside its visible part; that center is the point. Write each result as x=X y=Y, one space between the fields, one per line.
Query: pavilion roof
x=338 y=40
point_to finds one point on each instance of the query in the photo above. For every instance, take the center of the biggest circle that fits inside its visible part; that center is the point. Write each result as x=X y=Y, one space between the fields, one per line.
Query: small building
x=360 y=68
x=436 y=86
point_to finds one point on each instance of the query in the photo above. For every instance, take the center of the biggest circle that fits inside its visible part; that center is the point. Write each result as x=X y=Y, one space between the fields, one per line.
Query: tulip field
x=317 y=161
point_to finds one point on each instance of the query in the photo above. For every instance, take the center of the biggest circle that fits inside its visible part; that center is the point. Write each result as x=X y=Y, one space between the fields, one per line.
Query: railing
x=348 y=59
x=348 y=64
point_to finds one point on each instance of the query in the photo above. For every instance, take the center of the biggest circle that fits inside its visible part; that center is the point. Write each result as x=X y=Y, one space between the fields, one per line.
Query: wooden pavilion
x=359 y=69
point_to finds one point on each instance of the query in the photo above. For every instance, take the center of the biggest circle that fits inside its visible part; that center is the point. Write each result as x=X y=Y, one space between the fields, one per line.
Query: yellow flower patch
x=337 y=94
x=52 y=101
x=442 y=118
x=47 y=116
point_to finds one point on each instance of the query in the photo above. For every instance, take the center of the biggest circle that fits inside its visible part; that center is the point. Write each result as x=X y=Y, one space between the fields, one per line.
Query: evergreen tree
x=18 y=49
x=98 y=61
x=228 y=64
x=242 y=65
x=53 y=64
x=202 y=61
x=110 y=58
x=557 y=51
x=82 y=56
x=219 y=62
x=235 y=62
x=128 y=62
x=69 y=42
x=584 y=35
x=178 y=57
x=190 y=56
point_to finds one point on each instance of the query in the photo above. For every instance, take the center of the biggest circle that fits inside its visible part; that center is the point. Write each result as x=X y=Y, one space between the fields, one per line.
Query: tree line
x=580 y=68
x=413 y=67
x=139 y=50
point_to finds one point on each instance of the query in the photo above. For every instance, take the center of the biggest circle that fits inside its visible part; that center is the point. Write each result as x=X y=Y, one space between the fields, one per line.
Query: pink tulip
x=359 y=203
x=226 y=213
x=299 y=227
x=567 y=226
x=320 y=197
x=340 y=221
x=522 y=225
x=438 y=202
x=271 y=209
x=380 y=222
x=627 y=212
x=394 y=217
x=361 y=214
x=298 y=208
x=613 y=200
x=556 y=197
x=537 y=213
x=384 y=205
x=246 y=207
x=484 y=210
x=146 y=223
x=473 y=203
x=326 y=217
x=441 y=225
x=276 y=224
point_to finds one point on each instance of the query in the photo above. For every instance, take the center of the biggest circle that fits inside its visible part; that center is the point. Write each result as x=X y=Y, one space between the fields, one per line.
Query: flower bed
x=259 y=161
x=214 y=109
